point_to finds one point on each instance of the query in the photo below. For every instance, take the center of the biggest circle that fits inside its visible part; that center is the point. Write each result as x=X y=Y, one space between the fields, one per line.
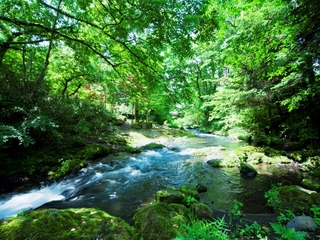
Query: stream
x=123 y=183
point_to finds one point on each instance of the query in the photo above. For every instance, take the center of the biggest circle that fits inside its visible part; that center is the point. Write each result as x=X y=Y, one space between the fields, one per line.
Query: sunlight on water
x=135 y=173
x=113 y=195
x=152 y=153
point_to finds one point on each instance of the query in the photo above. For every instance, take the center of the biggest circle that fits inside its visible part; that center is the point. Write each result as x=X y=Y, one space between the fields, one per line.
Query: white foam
x=29 y=200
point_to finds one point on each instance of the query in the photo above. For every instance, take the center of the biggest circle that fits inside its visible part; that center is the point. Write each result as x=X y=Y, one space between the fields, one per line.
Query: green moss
x=291 y=198
x=190 y=191
x=160 y=221
x=66 y=224
x=94 y=151
x=153 y=146
x=67 y=166
x=248 y=150
x=132 y=149
x=170 y=196
x=216 y=163
x=311 y=184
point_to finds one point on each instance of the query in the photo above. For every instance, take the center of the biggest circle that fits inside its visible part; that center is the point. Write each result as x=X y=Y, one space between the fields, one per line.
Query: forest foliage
x=68 y=68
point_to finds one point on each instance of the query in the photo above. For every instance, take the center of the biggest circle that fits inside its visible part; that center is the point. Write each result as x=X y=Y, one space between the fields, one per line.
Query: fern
x=205 y=230
x=289 y=234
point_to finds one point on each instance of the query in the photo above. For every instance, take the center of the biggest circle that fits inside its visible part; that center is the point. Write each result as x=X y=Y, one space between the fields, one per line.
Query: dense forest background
x=69 y=69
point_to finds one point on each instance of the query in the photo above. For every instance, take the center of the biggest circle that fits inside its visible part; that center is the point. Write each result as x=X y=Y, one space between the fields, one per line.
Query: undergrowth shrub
x=203 y=229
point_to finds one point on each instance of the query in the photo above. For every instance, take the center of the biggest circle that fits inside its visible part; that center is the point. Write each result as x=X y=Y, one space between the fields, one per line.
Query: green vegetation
x=66 y=224
x=203 y=229
x=74 y=70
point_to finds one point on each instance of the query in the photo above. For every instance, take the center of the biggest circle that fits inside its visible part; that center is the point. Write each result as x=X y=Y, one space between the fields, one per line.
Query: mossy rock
x=153 y=146
x=247 y=168
x=190 y=191
x=311 y=184
x=248 y=150
x=294 y=199
x=132 y=149
x=82 y=223
x=301 y=156
x=216 y=163
x=94 y=151
x=67 y=166
x=160 y=221
x=201 y=211
x=170 y=196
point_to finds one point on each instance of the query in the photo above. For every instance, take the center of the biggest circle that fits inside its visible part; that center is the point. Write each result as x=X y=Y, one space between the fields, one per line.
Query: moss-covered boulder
x=160 y=221
x=67 y=166
x=170 y=196
x=190 y=191
x=292 y=198
x=94 y=151
x=216 y=163
x=153 y=145
x=246 y=168
x=83 y=223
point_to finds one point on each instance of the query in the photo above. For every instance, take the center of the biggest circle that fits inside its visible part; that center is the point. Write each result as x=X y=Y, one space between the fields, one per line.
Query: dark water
x=122 y=184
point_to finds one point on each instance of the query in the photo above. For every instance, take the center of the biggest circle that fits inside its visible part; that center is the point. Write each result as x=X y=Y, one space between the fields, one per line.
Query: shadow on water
x=122 y=184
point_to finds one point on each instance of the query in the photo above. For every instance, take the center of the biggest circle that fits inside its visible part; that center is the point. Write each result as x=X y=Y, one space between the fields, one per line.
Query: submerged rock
x=201 y=188
x=248 y=169
x=302 y=223
x=215 y=163
x=82 y=223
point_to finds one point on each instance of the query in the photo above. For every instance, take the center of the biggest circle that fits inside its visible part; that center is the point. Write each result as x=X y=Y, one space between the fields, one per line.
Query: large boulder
x=302 y=223
x=82 y=223
x=247 y=169
x=293 y=198
x=160 y=221
x=180 y=196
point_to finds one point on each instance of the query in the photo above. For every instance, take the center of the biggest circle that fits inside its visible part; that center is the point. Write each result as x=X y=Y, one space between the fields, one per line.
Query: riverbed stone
x=160 y=221
x=190 y=191
x=217 y=163
x=201 y=188
x=80 y=223
x=170 y=196
x=201 y=211
x=248 y=169
x=294 y=199
x=303 y=223
x=311 y=184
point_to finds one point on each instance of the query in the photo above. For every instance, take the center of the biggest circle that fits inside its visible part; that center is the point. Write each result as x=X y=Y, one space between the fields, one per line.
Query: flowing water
x=122 y=184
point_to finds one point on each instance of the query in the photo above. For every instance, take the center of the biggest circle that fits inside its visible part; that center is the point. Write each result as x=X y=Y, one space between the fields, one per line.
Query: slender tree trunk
x=46 y=64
